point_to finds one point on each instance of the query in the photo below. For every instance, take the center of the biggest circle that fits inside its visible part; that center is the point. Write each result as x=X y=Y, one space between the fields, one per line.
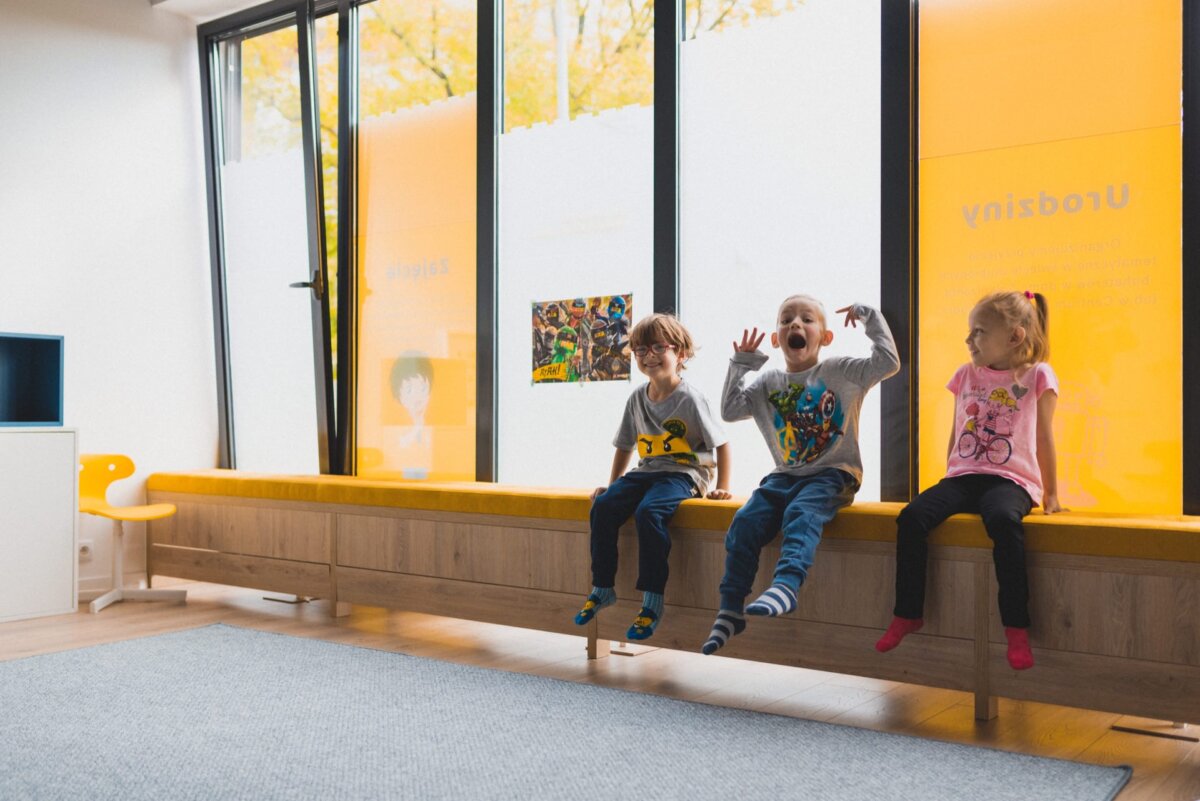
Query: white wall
x=103 y=236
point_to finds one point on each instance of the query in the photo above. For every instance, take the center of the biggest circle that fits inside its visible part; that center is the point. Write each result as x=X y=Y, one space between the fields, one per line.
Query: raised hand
x=750 y=341
x=852 y=319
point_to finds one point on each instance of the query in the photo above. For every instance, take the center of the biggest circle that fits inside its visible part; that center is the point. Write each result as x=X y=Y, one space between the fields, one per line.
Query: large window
x=576 y=217
x=779 y=186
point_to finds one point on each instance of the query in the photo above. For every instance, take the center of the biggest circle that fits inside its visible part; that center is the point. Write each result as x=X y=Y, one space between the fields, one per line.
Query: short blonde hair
x=659 y=327
x=809 y=299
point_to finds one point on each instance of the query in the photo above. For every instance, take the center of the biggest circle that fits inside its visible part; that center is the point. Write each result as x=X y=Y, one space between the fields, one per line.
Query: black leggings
x=1002 y=503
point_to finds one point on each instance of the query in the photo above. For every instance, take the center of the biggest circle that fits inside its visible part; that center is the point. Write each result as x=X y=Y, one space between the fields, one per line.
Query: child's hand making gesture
x=750 y=341
x=852 y=319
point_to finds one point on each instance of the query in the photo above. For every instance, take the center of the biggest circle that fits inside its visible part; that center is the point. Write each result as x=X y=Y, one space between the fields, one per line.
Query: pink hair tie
x=1028 y=295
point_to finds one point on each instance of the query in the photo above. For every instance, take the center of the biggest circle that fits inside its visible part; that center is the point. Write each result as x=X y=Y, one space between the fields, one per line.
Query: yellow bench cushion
x=1171 y=538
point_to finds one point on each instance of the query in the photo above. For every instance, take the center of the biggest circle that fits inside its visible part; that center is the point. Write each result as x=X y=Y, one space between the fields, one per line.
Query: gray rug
x=227 y=713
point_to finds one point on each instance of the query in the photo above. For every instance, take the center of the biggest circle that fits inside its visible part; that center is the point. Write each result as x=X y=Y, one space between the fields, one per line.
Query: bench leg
x=985 y=702
x=340 y=609
x=596 y=647
x=985 y=706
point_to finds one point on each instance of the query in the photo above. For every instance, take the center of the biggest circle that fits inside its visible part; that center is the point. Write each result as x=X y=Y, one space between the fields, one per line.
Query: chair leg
x=118 y=592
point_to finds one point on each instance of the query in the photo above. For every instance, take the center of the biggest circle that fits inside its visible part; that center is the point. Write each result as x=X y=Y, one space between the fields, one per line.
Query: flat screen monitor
x=31 y=380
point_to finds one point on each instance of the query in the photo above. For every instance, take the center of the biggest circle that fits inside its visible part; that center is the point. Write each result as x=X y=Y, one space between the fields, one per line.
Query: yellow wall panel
x=1093 y=224
x=1050 y=161
x=996 y=73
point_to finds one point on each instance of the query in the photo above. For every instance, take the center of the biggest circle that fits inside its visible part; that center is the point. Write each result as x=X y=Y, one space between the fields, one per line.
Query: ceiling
x=203 y=10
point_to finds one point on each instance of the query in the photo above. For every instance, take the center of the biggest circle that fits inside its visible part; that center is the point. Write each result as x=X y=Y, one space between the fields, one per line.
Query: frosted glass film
x=576 y=208
x=416 y=357
x=779 y=182
x=270 y=324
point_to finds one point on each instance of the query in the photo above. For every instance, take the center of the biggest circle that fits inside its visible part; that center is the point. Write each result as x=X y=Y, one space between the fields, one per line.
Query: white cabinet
x=39 y=492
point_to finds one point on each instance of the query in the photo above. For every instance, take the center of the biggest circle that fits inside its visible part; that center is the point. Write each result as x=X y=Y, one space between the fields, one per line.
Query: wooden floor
x=1164 y=769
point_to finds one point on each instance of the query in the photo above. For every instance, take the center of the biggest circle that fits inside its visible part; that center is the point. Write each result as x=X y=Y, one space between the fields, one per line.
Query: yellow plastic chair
x=96 y=473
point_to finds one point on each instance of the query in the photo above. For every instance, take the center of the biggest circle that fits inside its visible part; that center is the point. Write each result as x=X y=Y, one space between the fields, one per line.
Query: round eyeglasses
x=659 y=349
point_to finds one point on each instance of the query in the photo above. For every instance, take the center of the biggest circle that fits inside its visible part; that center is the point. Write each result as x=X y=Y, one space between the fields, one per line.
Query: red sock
x=1019 y=655
x=897 y=629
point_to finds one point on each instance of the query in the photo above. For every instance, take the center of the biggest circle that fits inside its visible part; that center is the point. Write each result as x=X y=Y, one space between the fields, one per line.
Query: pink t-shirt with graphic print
x=995 y=423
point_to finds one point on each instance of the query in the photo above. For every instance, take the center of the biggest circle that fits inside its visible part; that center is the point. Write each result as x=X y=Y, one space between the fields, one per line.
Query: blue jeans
x=651 y=498
x=800 y=506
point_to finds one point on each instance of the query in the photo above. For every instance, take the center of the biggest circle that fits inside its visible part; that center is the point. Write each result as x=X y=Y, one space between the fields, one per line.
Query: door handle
x=317 y=285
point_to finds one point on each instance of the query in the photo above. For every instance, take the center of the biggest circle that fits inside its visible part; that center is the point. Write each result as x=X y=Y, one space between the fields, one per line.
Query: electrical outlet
x=85 y=550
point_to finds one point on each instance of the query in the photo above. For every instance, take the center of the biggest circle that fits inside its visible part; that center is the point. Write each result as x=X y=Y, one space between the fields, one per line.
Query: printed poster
x=582 y=339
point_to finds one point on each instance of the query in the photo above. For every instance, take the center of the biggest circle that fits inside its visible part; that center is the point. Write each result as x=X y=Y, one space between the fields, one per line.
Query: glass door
x=273 y=300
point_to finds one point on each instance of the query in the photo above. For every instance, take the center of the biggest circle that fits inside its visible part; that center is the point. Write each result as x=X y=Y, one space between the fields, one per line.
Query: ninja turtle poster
x=581 y=339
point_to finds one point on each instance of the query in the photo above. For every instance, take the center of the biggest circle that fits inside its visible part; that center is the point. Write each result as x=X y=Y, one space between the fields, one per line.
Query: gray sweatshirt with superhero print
x=810 y=419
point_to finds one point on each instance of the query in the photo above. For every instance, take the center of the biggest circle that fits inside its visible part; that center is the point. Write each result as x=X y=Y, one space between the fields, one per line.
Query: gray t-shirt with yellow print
x=679 y=434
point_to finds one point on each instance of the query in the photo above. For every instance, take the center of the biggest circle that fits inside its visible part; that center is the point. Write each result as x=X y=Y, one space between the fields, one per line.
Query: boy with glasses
x=680 y=446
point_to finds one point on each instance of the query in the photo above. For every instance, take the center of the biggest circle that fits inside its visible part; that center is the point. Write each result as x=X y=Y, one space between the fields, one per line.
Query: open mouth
x=796 y=341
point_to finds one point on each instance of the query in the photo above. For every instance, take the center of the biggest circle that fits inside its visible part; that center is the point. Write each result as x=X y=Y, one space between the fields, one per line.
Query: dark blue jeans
x=800 y=506
x=651 y=499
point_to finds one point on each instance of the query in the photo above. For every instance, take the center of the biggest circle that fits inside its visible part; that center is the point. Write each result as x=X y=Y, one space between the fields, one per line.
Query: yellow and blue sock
x=647 y=617
x=599 y=598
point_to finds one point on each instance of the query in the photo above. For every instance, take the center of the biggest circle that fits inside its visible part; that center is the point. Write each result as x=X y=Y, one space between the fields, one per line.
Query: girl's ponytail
x=1039 y=334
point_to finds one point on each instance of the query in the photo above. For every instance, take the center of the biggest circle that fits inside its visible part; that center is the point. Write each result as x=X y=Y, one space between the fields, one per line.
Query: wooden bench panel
x=275 y=575
x=935 y=661
x=489 y=603
x=1112 y=684
x=560 y=561
x=1155 y=618
x=459 y=551
x=255 y=531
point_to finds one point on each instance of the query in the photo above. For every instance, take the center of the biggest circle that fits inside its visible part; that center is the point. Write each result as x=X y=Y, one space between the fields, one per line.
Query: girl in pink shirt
x=1000 y=462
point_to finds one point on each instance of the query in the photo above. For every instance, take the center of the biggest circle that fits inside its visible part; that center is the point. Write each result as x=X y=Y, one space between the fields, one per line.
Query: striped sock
x=653 y=601
x=599 y=598
x=778 y=600
x=728 y=624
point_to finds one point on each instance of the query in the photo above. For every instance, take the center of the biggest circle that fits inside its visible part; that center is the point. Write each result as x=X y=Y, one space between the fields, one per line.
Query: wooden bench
x=1115 y=600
